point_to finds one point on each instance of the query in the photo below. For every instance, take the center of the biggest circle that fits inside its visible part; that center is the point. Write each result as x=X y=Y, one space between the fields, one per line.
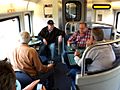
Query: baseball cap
x=50 y=22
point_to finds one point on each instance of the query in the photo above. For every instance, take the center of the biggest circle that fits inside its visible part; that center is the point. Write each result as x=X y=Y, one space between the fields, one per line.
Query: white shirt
x=102 y=56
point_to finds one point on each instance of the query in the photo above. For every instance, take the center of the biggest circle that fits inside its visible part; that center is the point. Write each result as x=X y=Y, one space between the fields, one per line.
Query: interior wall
x=39 y=21
x=101 y=15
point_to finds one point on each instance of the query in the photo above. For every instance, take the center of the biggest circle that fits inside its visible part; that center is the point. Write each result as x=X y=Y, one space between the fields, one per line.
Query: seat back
x=38 y=86
x=18 y=85
x=23 y=78
x=108 y=79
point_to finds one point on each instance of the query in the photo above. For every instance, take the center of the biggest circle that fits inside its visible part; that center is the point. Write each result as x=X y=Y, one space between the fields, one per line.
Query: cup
x=51 y=62
x=68 y=44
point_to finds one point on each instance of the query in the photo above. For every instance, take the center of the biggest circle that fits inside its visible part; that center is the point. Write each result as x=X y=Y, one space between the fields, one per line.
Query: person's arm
x=31 y=85
x=89 y=41
x=77 y=57
x=60 y=32
x=42 y=33
x=60 y=38
x=72 y=38
x=37 y=63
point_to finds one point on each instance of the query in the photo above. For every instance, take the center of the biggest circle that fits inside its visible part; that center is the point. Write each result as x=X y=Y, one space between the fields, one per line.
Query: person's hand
x=60 y=39
x=31 y=86
x=89 y=42
x=77 y=53
x=50 y=66
x=45 y=42
x=68 y=43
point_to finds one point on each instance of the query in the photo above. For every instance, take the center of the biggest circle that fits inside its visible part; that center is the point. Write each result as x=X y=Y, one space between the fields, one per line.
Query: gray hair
x=24 y=37
x=97 y=33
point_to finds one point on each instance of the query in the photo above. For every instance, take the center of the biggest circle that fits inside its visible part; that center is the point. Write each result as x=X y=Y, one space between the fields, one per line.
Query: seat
x=38 y=86
x=108 y=79
x=23 y=78
x=18 y=85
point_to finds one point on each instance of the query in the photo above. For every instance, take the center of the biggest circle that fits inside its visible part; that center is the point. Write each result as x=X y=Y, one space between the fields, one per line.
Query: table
x=35 y=43
x=32 y=43
x=71 y=54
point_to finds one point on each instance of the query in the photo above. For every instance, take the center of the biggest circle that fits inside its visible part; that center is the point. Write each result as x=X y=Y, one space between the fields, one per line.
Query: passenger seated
x=49 y=35
x=102 y=56
x=79 y=38
x=25 y=59
x=8 y=78
x=116 y=49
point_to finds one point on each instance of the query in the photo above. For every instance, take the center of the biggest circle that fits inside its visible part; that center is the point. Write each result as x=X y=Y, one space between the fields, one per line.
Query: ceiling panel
x=36 y=1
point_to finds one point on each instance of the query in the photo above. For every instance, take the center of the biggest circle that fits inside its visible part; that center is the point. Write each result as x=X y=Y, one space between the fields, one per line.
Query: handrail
x=90 y=47
x=72 y=24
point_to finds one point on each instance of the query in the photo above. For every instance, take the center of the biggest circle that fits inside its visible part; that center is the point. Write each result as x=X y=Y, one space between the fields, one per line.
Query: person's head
x=82 y=27
x=7 y=76
x=24 y=37
x=50 y=25
x=97 y=34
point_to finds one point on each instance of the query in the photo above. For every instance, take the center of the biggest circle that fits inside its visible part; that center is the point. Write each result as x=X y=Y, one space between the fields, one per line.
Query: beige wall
x=39 y=21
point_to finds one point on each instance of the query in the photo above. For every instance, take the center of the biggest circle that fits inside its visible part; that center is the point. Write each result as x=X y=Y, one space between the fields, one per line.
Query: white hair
x=24 y=37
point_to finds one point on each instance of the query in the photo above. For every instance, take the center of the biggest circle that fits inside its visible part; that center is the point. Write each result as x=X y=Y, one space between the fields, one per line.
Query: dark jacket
x=50 y=37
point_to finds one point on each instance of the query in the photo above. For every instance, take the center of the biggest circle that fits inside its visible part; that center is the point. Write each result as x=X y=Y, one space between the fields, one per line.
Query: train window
x=27 y=23
x=73 y=11
x=107 y=30
x=8 y=35
x=118 y=22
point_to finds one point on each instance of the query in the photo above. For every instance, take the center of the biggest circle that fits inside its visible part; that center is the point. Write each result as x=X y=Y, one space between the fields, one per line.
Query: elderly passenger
x=25 y=58
x=102 y=56
x=8 y=78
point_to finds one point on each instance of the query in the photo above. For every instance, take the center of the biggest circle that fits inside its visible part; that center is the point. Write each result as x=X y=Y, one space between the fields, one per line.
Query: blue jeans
x=48 y=50
x=52 y=50
x=72 y=73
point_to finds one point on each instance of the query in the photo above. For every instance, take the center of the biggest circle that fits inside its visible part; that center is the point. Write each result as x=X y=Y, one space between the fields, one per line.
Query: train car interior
x=32 y=15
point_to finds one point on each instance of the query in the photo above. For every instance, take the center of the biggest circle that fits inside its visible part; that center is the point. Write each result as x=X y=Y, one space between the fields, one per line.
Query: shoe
x=67 y=74
x=53 y=89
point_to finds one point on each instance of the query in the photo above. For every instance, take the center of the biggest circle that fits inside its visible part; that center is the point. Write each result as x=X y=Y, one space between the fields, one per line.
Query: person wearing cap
x=49 y=34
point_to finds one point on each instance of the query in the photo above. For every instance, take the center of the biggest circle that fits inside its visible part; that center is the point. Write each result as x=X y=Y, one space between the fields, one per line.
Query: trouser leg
x=46 y=79
x=52 y=50
x=42 y=50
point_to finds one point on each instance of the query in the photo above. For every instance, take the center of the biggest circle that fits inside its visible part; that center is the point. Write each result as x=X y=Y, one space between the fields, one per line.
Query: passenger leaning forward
x=102 y=57
x=25 y=58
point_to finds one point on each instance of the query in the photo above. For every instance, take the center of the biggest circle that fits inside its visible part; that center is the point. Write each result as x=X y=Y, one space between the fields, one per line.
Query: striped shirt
x=80 y=40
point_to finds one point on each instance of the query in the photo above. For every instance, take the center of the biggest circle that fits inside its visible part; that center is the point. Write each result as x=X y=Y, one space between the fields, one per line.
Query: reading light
x=101 y=6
